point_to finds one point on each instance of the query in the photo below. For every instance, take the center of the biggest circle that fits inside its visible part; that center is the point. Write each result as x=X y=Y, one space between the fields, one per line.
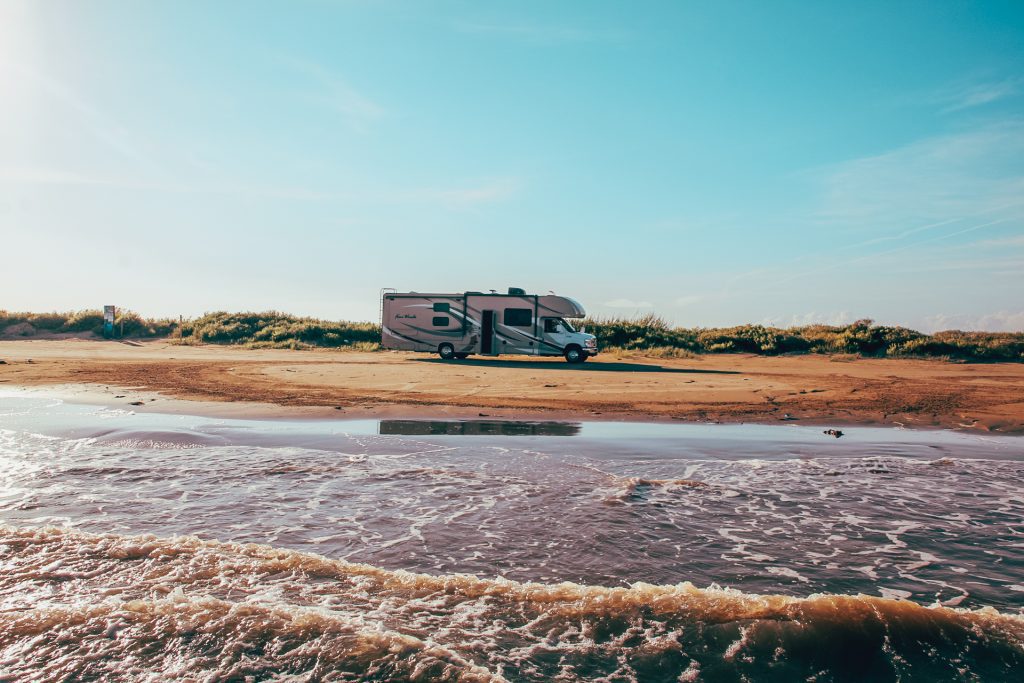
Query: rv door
x=487 y=333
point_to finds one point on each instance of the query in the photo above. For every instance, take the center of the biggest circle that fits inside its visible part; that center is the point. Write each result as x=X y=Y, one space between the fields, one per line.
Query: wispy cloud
x=1000 y=243
x=540 y=34
x=470 y=195
x=968 y=173
x=93 y=120
x=830 y=263
x=891 y=208
x=55 y=176
x=450 y=197
x=50 y=176
x=334 y=92
x=991 y=269
x=969 y=95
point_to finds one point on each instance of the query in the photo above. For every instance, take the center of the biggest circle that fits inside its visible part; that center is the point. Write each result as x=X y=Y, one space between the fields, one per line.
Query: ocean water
x=146 y=547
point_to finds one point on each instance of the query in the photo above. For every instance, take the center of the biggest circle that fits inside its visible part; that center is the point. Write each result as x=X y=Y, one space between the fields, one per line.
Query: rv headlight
x=592 y=343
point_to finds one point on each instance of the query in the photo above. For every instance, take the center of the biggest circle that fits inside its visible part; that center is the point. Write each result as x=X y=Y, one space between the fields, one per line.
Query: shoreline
x=159 y=404
x=232 y=382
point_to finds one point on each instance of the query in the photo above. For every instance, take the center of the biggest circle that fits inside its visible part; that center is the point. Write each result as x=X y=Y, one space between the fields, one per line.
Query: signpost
x=108 y=321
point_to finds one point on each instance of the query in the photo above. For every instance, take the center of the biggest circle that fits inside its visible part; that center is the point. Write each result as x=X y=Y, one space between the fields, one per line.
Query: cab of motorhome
x=456 y=326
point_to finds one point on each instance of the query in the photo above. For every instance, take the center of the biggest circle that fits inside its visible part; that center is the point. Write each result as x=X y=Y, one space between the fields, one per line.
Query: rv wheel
x=446 y=351
x=574 y=354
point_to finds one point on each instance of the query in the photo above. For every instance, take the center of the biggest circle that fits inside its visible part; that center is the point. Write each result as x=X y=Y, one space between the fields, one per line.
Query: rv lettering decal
x=406 y=315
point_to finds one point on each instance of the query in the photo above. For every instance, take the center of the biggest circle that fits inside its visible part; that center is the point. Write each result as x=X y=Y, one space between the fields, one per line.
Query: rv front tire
x=446 y=351
x=574 y=354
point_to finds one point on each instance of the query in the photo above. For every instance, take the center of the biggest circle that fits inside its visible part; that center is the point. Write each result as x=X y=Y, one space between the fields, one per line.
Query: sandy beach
x=809 y=389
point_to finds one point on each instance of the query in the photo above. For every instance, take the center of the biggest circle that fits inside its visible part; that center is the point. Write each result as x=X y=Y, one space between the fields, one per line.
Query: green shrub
x=84 y=321
x=272 y=329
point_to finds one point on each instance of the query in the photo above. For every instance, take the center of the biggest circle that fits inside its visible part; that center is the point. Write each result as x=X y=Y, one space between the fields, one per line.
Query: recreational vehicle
x=455 y=326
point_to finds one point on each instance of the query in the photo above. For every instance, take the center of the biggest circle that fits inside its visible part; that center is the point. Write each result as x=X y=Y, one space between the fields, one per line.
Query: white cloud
x=628 y=303
x=688 y=300
x=999 y=321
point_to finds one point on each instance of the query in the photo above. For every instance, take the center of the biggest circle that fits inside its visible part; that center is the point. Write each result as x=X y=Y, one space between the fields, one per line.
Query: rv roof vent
x=516 y=291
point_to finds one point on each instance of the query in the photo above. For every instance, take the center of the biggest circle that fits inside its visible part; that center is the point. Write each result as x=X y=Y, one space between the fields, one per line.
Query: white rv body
x=459 y=325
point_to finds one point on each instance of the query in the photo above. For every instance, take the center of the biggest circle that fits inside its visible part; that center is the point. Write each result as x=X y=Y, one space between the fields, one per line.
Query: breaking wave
x=79 y=606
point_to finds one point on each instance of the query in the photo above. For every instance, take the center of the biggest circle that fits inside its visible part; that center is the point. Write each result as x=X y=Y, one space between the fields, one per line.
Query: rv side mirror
x=583 y=329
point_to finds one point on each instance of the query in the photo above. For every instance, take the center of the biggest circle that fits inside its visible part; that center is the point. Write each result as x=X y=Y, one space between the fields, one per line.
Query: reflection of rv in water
x=477 y=428
x=458 y=325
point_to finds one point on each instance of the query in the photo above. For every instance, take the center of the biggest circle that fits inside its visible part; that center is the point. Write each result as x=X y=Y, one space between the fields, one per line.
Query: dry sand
x=825 y=390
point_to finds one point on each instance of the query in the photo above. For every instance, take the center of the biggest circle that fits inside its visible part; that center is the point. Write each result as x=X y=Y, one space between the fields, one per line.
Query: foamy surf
x=78 y=606
x=515 y=556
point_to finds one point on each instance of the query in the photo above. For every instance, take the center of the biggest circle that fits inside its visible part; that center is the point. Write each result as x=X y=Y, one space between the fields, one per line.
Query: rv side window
x=518 y=317
x=441 y=321
x=442 y=308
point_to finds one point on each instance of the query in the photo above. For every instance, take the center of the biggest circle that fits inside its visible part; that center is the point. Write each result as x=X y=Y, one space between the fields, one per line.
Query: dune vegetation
x=651 y=333
x=88 y=322
x=272 y=329
x=648 y=335
x=268 y=329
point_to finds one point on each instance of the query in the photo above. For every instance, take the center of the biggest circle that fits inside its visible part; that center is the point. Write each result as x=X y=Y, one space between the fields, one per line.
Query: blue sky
x=714 y=162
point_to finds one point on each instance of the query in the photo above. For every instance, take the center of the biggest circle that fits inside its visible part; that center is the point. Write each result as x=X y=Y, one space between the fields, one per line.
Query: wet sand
x=809 y=389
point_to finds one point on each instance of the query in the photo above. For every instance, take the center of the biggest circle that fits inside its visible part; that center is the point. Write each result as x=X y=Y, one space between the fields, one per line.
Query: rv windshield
x=555 y=325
